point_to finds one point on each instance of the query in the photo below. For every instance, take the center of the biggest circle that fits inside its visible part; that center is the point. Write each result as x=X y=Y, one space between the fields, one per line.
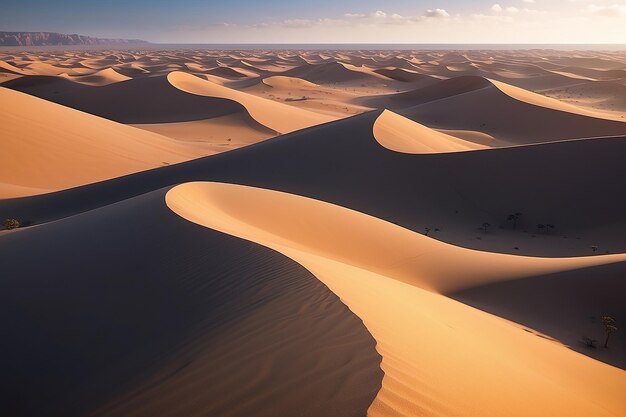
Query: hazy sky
x=327 y=21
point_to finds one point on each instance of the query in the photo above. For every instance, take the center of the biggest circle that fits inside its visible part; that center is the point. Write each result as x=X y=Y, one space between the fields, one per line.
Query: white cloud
x=496 y=8
x=613 y=10
x=436 y=13
x=528 y=1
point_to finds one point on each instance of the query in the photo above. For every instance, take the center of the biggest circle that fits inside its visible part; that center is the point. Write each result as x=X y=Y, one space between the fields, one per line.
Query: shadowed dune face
x=142 y=100
x=567 y=306
x=213 y=325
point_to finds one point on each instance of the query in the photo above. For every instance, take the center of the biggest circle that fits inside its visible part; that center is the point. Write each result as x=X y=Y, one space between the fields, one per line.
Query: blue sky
x=323 y=21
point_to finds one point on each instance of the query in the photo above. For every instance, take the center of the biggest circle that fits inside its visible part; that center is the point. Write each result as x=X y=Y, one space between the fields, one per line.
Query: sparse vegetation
x=514 y=218
x=609 y=327
x=594 y=248
x=303 y=98
x=589 y=342
x=11 y=223
x=485 y=226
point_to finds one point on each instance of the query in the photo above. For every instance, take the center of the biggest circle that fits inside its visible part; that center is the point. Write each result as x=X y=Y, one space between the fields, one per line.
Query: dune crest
x=48 y=147
x=102 y=77
x=281 y=81
x=400 y=134
x=400 y=315
x=277 y=116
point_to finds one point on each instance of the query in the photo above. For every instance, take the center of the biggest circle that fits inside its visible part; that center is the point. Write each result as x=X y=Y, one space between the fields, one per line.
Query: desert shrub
x=609 y=327
x=11 y=223
x=589 y=342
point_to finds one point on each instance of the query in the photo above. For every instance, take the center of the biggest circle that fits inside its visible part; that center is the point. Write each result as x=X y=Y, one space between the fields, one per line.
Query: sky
x=327 y=21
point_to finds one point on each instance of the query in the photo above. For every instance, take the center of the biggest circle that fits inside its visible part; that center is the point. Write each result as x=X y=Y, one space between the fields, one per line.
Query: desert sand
x=312 y=233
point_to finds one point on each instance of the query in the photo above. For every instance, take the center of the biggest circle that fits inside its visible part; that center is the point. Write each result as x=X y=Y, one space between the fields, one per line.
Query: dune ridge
x=375 y=297
x=216 y=326
x=47 y=147
x=264 y=111
x=400 y=134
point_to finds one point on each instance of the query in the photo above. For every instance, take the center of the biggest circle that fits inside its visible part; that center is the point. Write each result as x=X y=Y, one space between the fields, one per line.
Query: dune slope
x=412 y=190
x=400 y=316
x=140 y=100
x=400 y=134
x=509 y=113
x=48 y=147
x=277 y=116
x=131 y=310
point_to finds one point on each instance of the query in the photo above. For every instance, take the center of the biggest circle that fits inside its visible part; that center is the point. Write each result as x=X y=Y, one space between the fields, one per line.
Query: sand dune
x=299 y=228
x=141 y=100
x=276 y=116
x=508 y=113
x=248 y=243
x=401 y=74
x=605 y=96
x=227 y=72
x=283 y=220
x=6 y=67
x=243 y=331
x=403 y=135
x=332 y=72
x=280 y=81
x=48 y=147
x=102 y=77
x=437 y=91
x=412 y=190
x=217 y=134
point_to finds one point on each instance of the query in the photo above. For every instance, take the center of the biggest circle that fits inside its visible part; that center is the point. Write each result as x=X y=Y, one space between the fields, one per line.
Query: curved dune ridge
x=400 y=134
x=6 y=67
x=281 y=81
x=529 y=97
x=406 y=75
x=466 y=84
x=228 y=72
x=102 y=77
x=510 y=114
x=365 y=261
x=47 y=147
x=277 y=116
x=214 y=326
x=332 y=72
x=139 y=100
x=440 y=90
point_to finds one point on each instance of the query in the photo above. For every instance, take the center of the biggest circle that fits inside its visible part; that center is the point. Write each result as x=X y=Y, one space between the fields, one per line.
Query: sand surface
x=312 y=233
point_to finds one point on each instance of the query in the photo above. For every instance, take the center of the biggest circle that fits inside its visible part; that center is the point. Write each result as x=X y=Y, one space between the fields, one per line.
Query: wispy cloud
x=612 y=10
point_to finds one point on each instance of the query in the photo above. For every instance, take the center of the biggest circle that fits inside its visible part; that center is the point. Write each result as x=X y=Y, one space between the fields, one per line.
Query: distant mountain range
x=52 y=38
